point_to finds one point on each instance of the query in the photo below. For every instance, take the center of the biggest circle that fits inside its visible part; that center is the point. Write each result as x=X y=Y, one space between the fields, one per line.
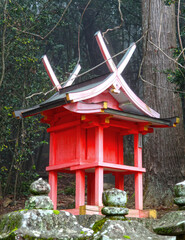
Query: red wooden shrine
x=87 y=124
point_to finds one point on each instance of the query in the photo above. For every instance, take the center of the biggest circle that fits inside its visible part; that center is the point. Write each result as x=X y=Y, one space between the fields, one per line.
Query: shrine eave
x=153 y=122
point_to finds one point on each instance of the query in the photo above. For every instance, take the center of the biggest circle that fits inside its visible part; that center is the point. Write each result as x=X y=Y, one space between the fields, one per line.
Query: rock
x=180 y=201
x=179 y=189
x=42 y=224
x=112 y=211
x=171 y=224
x=88 y=220
x=39 y=202
x=114 y=201
x=40 y=187
x=7 y=202
x=126 y=230
x=114 y=198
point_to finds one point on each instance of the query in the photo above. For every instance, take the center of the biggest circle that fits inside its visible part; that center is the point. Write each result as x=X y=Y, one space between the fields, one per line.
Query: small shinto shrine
x=87 y=123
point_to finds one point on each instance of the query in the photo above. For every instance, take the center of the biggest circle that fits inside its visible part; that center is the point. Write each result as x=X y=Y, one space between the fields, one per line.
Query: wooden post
x=98 y=186
x=119 y=181
x=90 y=188
x=53 y=174
x=99 y=144
x=80 y=145
x=138 y=176
x=80 y=188
x=120 y=149
x=53 y=185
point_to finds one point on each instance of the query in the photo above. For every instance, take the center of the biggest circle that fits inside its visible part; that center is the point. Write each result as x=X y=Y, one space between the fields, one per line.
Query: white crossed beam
x=107 y=57
x=117 y=70
x=53 y=77
x=114 y=81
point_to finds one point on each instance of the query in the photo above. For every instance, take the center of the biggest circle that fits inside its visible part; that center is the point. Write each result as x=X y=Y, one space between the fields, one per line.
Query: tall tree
x=163 y=150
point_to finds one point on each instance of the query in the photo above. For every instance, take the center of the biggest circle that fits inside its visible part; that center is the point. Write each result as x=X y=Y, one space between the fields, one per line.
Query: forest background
x=64 y=31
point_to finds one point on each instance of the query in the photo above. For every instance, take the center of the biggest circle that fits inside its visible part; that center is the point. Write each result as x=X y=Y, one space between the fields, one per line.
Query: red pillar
x=90 y=189
x=80 y=188
x=53 y=185
x=98 y=170
x=98 y=186
x=53 y=174
x=119 y=181
x=138 y=176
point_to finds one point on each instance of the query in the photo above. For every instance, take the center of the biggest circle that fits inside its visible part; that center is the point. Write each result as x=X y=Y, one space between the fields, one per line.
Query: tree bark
x=164 y=149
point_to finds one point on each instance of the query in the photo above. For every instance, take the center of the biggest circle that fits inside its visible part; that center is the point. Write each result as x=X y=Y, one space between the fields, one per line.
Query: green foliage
x=178 y=75
x=99 y=224
x=56 y=212
x=169 y=2
x=127 y=237
x=69 y=191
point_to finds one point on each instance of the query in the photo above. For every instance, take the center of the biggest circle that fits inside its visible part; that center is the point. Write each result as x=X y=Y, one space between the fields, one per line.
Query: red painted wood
x=99 y=144
x=63 y=126
x=120 y=149
x=137 y=152
x=81 y=144
x=123 y=124
x=90 y=145
x=110 y=146
x=99 y=149
x=105 y=96
x=62 y=166
x=66 y=146
x=80 y=188
x=98 y=186
x=53 y=185
x=110 y=166
x=138 y=176
x=139 y=191
x=91 y=189
x=52 y=149
x=119 y=181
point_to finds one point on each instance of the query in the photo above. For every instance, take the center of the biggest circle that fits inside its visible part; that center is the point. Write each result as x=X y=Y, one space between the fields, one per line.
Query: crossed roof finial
x=53 y=77
x=114 y=82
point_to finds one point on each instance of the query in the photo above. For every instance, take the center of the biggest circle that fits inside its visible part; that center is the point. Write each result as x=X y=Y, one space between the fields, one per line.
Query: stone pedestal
x=173 y=223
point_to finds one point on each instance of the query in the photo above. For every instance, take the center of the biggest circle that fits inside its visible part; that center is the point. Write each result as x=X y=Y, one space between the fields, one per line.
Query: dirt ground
x=66 y=198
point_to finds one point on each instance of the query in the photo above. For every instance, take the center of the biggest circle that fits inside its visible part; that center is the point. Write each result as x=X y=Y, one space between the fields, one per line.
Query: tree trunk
x=164 y=149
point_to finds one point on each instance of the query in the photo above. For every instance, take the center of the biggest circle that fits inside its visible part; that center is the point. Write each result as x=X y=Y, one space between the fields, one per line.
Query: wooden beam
x=53 y=185
x=98 y=186
x=138 y=176
x=62 y=165
x=80 y=188
x=99 y=144
x=63 y=126
x=50 y=73
x=91 y=189
x=124 y=124
x=72 y=76
x=118 y=167
x=119 y=181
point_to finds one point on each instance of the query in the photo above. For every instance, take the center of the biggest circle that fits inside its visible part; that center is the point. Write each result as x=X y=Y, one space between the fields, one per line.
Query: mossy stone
x=42 y=224
x=114 y=211
x=171 y=224
x=180 y=201
x=40 y=187
x=114 y=198
x=179 y=189
x=39 y=202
